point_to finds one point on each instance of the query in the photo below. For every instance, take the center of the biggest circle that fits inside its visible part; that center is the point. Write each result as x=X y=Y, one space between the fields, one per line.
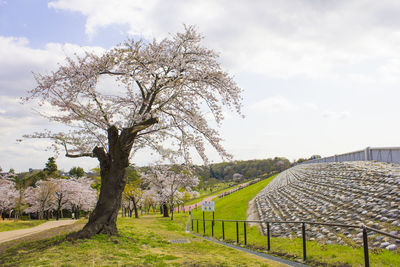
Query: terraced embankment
x=361 y=192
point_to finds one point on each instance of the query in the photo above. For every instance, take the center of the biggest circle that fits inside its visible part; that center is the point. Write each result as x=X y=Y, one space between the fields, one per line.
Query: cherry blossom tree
x=81 y=195
x=61 y=195
x=73 y=194
x=167 y=181
x=40 y=198
x=148 y=200
x=8 y=194
x=157 y=94
x=187 y=194
x=133 y=194
x=126 y=206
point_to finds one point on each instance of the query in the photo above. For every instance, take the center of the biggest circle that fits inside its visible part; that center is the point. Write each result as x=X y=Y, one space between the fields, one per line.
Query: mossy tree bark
x=113 y=164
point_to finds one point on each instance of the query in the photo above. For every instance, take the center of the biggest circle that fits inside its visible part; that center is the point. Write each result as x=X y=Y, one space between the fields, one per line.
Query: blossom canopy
x=155 y=93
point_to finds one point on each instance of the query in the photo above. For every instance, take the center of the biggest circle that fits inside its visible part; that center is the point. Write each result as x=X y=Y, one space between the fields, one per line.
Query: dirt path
x=15 y=234
x=198 y=204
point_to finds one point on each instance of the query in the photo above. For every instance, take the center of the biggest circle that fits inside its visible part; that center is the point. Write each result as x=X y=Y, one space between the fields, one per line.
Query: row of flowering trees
x=47 y=196
x=159 y=186
x=8 y=193
x=164 y=186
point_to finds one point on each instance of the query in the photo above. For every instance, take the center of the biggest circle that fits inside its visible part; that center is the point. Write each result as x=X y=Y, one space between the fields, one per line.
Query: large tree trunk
x=135 y=208
x=103 y=220
x=58 y=209
x=165 y=210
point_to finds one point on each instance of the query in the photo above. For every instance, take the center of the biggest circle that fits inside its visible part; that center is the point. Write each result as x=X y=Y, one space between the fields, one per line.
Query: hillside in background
x=241 y=170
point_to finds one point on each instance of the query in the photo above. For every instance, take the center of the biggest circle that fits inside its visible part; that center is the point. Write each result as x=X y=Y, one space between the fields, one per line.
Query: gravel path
x=15 y=234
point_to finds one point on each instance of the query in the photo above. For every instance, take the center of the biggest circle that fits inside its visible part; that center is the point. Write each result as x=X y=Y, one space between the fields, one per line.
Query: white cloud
x=104 y=13
x=311 y=106
x=276 y=104
x=18 y=61
x=277 y=38
x=336 y=115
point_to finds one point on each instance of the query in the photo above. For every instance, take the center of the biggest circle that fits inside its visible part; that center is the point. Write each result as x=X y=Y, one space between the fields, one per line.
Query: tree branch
x=67 y=154
x=141 y=88
x=142 y=125
x=102 y=156
x=112 y=73
x=89 y=154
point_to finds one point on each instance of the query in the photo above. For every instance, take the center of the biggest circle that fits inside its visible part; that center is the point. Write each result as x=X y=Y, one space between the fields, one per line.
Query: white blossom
x=8 y=193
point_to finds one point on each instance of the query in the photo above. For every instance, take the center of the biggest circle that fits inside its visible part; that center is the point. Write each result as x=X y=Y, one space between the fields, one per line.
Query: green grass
x=8 y=225
x=234 y=207
x=218 y=189
x=142 y=242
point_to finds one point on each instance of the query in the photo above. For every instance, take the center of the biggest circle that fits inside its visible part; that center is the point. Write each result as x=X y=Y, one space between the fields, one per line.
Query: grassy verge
x=205 y=194
x=234 y=207
x=8 y=225
x=142 y=242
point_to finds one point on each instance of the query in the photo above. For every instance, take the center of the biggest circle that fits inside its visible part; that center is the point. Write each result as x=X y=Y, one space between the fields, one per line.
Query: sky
x=318 y=76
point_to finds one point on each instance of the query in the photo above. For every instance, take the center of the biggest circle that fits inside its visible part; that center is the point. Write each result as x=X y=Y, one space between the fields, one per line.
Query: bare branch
x=67 y=154
x=80 y=155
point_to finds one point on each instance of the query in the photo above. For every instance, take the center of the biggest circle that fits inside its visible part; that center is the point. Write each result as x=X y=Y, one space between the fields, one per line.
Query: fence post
x=212 y=228
x=223 y=231
x=237 y=232
x=204 y=225
x=245 y=233
x=367 y=153
x=269 y=237
x=197 y=225
x=303 y=230
x=192 y=225
x=365 y=243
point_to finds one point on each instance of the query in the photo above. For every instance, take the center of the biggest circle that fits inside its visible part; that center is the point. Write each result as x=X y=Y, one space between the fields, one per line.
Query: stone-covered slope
x=358 y=193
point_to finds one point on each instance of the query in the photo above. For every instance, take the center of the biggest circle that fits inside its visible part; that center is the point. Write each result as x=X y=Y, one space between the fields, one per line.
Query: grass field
x=220 y=188
x=8 y=225
x=145 y=242
x=234 y=207
x=142 y=242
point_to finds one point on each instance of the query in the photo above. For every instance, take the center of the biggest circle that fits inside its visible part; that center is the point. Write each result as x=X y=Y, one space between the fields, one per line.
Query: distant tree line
x=301 y=160
x=240 y=170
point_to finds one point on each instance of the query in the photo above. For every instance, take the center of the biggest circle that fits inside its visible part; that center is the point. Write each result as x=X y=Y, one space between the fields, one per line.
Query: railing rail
x=383 y=154
x=303 y=224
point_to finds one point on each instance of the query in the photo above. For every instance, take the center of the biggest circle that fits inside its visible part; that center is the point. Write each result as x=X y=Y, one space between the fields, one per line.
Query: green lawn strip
x=206 y=194
x=10 y=225
x=142 y=242
x=234 y=207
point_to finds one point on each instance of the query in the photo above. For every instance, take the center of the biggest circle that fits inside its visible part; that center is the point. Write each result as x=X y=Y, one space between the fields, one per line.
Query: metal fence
x=383 y=154
x=363 y=228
